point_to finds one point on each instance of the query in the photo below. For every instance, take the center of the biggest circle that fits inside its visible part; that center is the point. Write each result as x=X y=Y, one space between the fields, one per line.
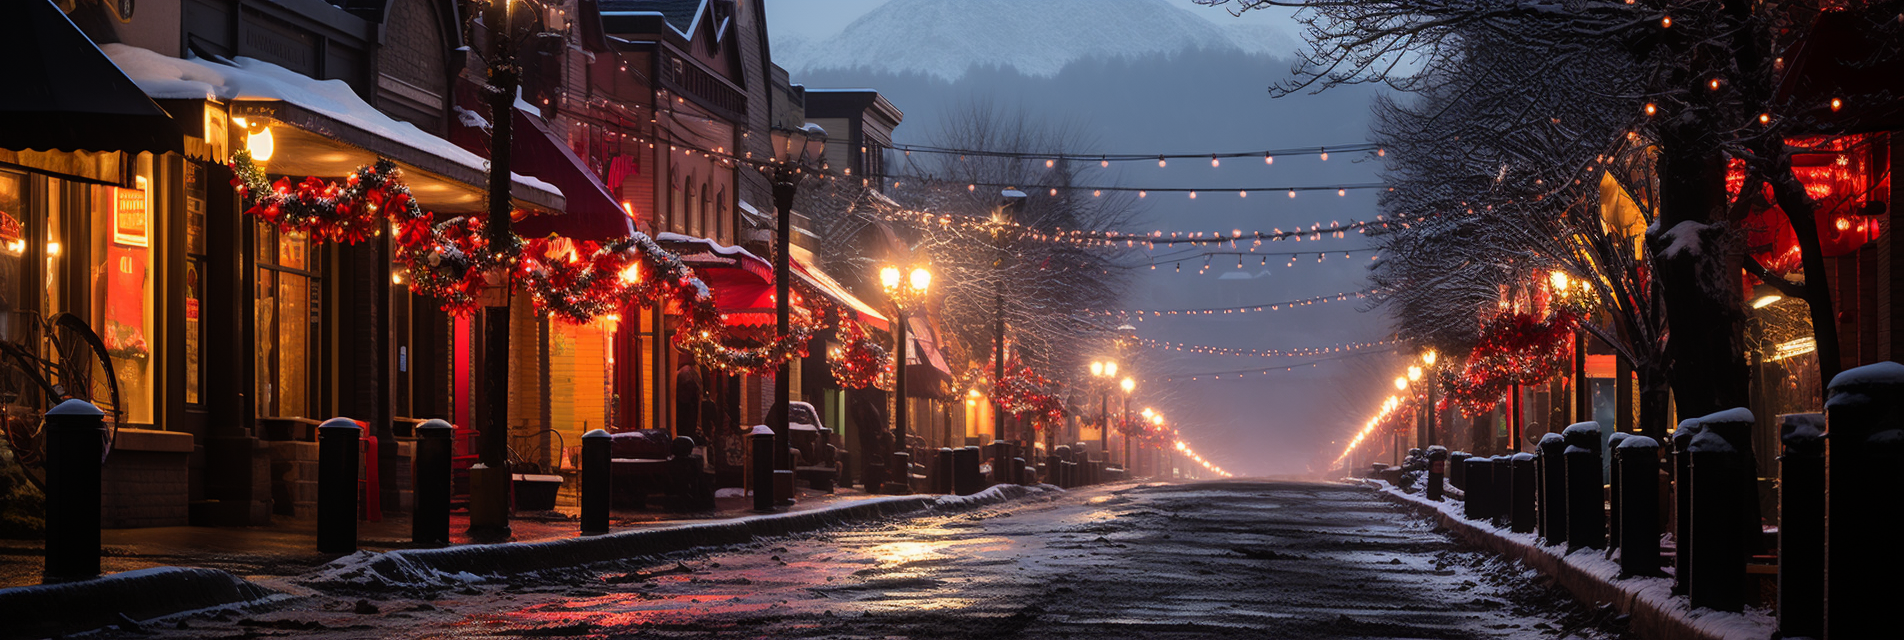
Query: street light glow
x=921 y=279
x=889 y=277
x=1401 y=383
x=1128 y=384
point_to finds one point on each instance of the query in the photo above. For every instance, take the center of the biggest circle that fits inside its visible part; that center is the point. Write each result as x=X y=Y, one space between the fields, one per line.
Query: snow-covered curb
x=1591 y=577
x=459 y=565
x=67 y=607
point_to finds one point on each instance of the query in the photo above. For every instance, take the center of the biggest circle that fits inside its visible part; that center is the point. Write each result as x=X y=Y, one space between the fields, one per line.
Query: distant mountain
x=1034 y=37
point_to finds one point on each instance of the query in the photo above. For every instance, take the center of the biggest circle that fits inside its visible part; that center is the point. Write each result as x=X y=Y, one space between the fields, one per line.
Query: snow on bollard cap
x=1524 y=457
x=434 y=423
x=1709 y=441
x=595 y=433
x=1802 y=432
x=761 y=430
x=1639 y=442
x=75 y=407
x=1882 y=374
x=1682 y=436
x=339 y=422
x=1735 y=415
x=1584 y=436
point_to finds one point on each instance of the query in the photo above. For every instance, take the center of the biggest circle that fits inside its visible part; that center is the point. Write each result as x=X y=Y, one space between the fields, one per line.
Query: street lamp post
x=489 y=485
x=904 y=297
x=1434 y=415
x=1004 y=216
x=793 y=150
x=1107 y=370
x=1128 y=384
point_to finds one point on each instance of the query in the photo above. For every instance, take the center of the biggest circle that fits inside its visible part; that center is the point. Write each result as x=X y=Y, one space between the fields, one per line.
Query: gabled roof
x=683 y=16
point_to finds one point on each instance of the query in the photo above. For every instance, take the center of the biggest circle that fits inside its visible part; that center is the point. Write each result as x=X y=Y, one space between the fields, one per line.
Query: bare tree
x=1695 y=78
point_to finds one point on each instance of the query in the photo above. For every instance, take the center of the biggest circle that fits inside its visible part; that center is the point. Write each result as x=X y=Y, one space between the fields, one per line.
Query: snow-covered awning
x=329 y=131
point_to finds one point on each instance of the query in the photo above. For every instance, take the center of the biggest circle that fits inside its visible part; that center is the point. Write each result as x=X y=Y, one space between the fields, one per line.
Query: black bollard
x=1586 y=503
x=1522 y=470
x=1682 y=503
x=1437 y=470
x=1001 y=455
x=1639 y=506
x=1480 y=500
x=430 y=523
x=1458 y=469
x=942 y=471
x=337 y=442
x=596 y=480
x=1801 y=526
x=1613 y=489
x=1718 y=578
x=760 y=444
x=1735 y=426
x=1503 y=509
x=1553 y=487
x=1018 y=471
x=75 y=439
x=965 y=480
x=1864 y=452
x=899 y=474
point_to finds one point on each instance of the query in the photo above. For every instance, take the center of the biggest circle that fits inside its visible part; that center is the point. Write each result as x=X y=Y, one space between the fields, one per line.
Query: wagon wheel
x=84 y=371
x=21 y=375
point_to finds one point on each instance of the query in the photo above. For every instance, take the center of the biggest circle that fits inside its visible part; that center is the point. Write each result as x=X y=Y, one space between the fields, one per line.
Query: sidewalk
x=152 y=573
x=1593 y=578
x=289 y=547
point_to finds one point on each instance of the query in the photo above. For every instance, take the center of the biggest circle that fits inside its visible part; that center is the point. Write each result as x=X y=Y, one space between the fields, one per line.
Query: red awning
x=826 y=285
x=741 y=281
x=591 y=212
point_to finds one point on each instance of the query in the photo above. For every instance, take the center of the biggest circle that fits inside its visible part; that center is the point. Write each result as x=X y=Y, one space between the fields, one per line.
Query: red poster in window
x=124 y=314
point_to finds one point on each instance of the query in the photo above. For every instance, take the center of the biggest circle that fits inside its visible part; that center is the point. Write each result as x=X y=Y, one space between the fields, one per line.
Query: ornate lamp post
x=904 y=296
x=1434 y=416
x=1105 y=371
x=794 y=151
x=1127 y=385
x=1401 y=384
x=1421 y=426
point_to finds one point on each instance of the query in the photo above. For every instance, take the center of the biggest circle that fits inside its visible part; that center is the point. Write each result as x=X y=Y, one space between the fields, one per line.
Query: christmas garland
x=1515 y=348
x=451 y=261
x=861 y=361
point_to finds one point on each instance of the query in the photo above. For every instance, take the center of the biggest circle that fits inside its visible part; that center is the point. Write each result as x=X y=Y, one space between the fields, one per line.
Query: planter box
x=536 y=492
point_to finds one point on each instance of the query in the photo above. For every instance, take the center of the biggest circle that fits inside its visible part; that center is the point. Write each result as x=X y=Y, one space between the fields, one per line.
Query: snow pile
x=1595 y=577
x=167 y=78
x=1639 y=442
x=1733 y=415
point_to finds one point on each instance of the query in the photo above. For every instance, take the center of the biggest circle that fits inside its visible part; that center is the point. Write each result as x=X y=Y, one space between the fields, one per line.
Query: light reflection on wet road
x=1232 y=558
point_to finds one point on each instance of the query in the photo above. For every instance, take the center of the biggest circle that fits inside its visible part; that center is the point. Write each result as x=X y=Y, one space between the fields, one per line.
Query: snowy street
x=1237 y=558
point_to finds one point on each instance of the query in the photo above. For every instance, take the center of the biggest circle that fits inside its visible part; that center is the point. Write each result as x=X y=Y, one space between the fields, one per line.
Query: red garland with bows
x=1515 y=348
x=449 y=260
x=861 y=361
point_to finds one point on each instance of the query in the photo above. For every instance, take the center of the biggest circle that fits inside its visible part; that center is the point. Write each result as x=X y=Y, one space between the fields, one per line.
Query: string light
x=1273 y=306
x=1184 y=448
x=1388 y=409
x=1346 y=347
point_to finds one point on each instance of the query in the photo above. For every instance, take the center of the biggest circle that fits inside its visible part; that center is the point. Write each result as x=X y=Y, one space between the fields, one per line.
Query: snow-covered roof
x=167 y=78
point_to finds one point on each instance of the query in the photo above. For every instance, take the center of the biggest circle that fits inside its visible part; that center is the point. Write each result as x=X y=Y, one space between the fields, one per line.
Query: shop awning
x=62 y=93
x=702 y=252
x=328 y=130
x=826 y=285
x=741 y=281
x=591 y=213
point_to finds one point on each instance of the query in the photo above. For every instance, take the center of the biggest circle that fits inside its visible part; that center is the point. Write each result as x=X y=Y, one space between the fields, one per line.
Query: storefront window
x=121 y=287
x=288 y=286
x=12 y=252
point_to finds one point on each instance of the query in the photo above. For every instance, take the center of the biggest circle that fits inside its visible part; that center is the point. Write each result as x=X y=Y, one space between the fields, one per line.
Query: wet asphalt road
x=1237 y=558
